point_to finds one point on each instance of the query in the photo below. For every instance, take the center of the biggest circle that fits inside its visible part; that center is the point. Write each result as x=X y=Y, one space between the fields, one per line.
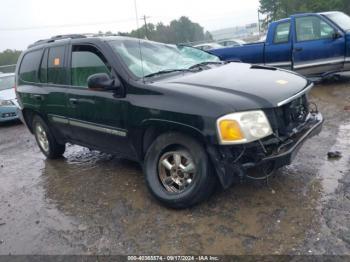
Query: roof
x=281 y=20
x=64 y=38
x=302 y=14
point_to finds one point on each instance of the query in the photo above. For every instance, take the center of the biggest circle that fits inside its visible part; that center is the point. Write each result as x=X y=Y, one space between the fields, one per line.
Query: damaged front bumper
x=233 y=162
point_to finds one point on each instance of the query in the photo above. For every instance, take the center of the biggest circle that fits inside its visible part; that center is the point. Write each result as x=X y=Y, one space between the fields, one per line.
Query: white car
x=208 y=46
x=232 y=42
x=8 y=101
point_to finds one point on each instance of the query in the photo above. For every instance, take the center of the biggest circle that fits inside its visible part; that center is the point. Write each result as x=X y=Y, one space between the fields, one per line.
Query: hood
x=243 y=86
x=8 y=94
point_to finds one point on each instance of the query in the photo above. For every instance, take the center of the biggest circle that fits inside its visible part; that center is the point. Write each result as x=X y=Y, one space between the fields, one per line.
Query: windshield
x=158 y=57
x=340 y=19
x=7 y=82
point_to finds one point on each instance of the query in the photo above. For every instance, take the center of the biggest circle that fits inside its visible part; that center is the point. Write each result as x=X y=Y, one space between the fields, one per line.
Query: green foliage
x=182 y=30
x=277 y=9
x=9 y=57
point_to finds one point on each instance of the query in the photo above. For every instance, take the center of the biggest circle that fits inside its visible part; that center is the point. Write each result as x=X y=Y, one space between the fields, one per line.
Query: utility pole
x=144 y=18
x=259 y=21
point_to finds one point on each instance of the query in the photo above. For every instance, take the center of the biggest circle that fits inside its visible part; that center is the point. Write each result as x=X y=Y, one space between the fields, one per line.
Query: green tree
x=182 y=30
x=8 y=57
x=277 y=9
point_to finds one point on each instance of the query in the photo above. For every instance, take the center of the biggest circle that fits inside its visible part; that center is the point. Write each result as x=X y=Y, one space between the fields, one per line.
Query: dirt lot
x=94 y=203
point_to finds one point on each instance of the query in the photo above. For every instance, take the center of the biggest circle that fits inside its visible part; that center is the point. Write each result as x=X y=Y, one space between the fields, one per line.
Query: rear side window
x=56 y=73
x=282 y=33
x=29 y=67
x=43 y=68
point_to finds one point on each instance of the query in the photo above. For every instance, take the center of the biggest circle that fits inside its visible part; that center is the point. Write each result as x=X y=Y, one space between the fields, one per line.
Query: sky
x=23 y=22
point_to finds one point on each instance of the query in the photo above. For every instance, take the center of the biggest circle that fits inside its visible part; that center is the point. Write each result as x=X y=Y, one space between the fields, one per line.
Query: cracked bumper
x=286 y=156
x=279 y=153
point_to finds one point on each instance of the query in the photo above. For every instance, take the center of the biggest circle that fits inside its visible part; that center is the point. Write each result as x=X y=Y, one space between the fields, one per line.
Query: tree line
x=277 y=9
x=182 y=30
x=8 y=57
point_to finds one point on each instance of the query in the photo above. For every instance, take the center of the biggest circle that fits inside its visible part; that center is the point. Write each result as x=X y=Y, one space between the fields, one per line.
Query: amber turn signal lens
x=230 y=130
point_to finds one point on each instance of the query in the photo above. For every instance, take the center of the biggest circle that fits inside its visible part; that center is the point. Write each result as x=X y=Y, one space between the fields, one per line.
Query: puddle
x=334 y=169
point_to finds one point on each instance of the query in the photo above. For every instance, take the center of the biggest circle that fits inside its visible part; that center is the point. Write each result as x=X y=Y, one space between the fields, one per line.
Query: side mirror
x=103 y=81
x=337 y=35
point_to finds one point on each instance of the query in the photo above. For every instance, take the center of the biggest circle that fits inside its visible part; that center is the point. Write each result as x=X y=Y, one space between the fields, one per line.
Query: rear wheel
x=45 y=139
x=178 y=171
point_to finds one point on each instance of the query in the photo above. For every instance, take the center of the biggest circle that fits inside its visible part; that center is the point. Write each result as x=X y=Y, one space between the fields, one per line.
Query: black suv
x=190 y=119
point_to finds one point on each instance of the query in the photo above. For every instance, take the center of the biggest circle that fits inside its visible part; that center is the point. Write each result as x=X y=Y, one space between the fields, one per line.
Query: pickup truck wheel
x=178 y=171
x=46 y=141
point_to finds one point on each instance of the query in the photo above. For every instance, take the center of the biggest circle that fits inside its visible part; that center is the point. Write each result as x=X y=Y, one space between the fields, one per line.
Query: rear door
x=53 y=79
x=278 y=48
x=316 y=51
x=97 y=117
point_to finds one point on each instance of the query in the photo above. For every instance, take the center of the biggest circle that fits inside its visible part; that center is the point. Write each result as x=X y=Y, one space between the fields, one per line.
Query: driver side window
x=86 y=61
x=312 y=28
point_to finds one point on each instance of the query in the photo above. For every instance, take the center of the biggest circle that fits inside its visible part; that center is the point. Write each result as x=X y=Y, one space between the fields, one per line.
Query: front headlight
x=243 y=127
x=6 y=103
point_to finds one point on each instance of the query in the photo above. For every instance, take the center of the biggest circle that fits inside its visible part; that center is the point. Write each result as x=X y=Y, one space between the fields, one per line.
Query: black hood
x=243 y=86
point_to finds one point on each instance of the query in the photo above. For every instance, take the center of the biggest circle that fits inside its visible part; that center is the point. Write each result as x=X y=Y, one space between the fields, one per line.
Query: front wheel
x=45 y=139
x=178 y=171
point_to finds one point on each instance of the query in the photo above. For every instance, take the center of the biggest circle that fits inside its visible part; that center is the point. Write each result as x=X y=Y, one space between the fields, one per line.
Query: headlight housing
x=6 y=103
x=243 y=127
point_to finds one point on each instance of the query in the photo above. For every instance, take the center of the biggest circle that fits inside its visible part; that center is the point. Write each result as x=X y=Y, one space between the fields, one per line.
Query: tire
x=197 y=184
x=45 y=139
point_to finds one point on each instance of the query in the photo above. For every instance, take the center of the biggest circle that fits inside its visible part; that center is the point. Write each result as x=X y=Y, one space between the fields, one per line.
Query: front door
x=316 y=50
x=96 y=117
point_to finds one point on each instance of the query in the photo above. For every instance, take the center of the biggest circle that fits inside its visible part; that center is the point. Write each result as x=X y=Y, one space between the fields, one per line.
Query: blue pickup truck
x=313 y=44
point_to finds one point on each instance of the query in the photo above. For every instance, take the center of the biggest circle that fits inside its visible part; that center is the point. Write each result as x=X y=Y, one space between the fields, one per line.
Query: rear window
x=56 y=73
x=282 y=33
x=29 y=67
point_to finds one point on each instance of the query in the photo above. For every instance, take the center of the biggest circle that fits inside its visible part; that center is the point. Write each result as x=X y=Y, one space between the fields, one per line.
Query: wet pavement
x=94 y=203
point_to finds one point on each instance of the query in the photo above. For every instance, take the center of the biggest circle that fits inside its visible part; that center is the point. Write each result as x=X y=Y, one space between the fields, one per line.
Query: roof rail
x=57 y=37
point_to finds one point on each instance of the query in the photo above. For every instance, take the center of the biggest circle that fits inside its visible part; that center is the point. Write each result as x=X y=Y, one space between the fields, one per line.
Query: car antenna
x=139 y=36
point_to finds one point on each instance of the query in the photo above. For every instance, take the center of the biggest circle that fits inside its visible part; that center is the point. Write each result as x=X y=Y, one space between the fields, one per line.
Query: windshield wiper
x=205 y=63
x=168 y=71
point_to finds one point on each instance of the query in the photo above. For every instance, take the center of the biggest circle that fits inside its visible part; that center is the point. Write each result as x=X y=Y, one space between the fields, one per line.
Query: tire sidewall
x=199 y=156
x=38 y=120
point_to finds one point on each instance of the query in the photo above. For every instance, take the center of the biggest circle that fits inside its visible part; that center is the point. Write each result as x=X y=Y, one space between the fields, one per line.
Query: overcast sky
x=25 y=21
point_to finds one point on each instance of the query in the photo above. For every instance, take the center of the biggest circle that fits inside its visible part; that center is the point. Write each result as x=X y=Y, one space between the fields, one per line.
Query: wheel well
x=28 y=115
x=152 y=132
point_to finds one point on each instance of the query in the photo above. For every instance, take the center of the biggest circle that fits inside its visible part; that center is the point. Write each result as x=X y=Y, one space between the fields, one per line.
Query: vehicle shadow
x=10 y=123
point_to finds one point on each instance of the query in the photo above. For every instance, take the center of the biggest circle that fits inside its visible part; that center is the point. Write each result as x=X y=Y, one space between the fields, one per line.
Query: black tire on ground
x=204 y=180
x=51 y=149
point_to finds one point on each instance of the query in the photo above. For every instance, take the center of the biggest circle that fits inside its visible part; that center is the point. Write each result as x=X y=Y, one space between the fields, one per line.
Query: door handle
x=73 y=101
x=298 y=49
x=38 y=97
